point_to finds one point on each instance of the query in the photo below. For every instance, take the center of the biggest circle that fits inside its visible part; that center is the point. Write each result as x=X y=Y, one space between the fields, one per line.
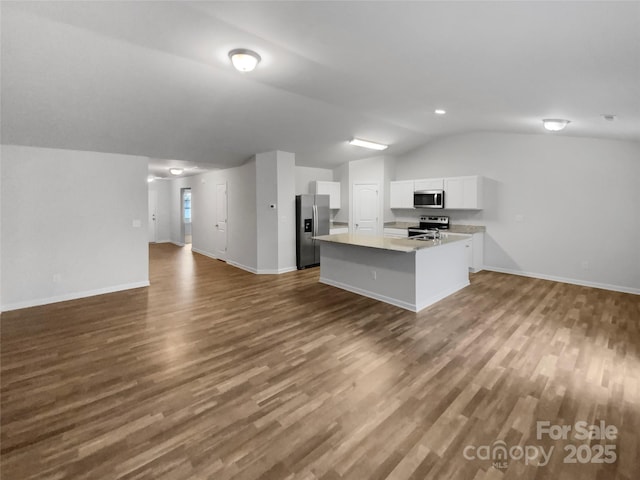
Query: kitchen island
x=411 y=274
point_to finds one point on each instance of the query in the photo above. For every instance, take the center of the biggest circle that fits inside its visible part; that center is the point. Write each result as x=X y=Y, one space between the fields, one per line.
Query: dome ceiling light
x=554 y=124
x=176 y=171
x=244 y=60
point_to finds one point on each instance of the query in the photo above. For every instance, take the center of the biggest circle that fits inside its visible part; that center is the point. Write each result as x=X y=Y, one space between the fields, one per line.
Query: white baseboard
x=276 y=272
x=205 y=253
x=398 y=303
x=367 y=293
x=73 y=296
x=573 y=281
x=177 y=244
x=242 y=267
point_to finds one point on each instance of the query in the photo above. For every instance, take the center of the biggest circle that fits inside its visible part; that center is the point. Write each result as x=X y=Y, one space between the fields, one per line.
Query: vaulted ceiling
x=154 y=78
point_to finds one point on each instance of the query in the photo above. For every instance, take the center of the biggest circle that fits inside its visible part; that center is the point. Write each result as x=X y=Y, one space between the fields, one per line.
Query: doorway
x=185 y=215
x=366 y=208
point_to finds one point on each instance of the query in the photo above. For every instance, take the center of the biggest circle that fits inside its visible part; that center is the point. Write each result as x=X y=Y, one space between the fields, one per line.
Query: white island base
x=409 y=278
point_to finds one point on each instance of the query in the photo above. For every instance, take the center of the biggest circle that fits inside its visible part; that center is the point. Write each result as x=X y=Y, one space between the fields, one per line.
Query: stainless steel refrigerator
x=312 y=219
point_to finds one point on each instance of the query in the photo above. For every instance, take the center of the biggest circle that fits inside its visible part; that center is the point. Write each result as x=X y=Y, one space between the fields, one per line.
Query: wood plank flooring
x=216 y=373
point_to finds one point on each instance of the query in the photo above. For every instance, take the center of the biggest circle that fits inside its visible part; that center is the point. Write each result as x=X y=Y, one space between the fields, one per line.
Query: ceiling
x=154 y=78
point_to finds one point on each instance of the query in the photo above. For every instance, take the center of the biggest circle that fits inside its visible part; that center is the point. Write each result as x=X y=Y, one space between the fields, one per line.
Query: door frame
x=181 y=219
x=352 y=220
x=226 y=221
x=152 y=224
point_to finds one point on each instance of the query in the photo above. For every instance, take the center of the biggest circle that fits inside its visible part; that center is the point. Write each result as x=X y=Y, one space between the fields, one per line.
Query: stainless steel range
x=429 y=225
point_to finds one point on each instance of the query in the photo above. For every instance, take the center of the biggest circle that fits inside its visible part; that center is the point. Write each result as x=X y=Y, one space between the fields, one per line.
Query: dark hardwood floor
x=216 y=373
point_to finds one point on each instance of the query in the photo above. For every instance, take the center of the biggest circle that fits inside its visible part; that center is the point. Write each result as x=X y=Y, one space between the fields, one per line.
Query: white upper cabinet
x=401 y=194
x=463 y=193
x=429 y=184
x=329 y=188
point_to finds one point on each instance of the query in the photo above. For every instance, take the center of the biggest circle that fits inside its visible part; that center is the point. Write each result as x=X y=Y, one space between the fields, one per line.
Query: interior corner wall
x=304 y=176
x=241 y=213
x=341 y=174
x=286 y=211
x=557 y=207
x=68 y=224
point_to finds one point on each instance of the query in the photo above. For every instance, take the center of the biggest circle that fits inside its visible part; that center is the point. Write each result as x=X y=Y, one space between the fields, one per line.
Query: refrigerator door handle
x=314 y=215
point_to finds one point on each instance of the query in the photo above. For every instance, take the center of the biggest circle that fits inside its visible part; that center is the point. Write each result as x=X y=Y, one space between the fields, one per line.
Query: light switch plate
x=137 y=223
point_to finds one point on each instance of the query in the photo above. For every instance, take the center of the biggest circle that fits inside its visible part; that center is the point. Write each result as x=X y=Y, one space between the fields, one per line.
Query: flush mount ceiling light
x=150 y=179
x=439 y=111
x=367 y=144
x=554 y=124
x=176 y=171
x=244 y=60
x=608 y=117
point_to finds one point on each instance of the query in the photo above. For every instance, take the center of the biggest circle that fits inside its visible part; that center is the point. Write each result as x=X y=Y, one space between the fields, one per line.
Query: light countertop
x=468 y=229
x=386 y=243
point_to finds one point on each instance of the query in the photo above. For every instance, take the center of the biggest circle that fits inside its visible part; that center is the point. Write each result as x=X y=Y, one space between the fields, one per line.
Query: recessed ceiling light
x=176 y=171
x=439 y=111
x=244 y=60
x=554 y=124
x=367 y=144
x=150 y=179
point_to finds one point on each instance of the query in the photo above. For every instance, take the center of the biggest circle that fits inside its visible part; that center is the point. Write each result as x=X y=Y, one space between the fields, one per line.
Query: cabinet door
x=401 y=194
x=332 y=189
x=454 y=192
x=334 y=200
x=462 y=193
x=429 y=184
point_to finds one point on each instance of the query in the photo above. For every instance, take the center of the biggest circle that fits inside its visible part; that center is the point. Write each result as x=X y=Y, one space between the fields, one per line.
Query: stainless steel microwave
x=428 y=199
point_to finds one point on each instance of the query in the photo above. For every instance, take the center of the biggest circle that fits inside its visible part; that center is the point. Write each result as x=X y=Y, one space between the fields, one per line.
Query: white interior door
x=152 y=223
x=221 y=221
x=366 y=208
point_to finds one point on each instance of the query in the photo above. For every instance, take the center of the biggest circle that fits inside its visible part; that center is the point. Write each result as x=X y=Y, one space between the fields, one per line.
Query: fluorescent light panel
x=358 y=142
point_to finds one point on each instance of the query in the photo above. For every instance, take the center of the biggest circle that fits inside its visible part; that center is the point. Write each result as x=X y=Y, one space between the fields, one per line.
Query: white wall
x=67 y=224
x=341 y=174
x=579 y=198
x=304 y=176
x=267 y=218
x=287 y=211
x=241 y=213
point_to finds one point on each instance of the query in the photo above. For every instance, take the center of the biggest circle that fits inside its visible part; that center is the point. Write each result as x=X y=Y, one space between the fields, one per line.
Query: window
x=187 y=207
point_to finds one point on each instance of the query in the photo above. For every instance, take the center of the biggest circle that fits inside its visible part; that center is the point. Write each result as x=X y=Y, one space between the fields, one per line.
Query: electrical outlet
x=519 y=218
x=585 y=265
x=374 y=274
x=57 y=278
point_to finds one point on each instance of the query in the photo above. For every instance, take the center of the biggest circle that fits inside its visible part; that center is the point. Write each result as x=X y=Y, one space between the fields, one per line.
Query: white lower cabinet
x=396 y=232
x=474 y=245
x=336 y=230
